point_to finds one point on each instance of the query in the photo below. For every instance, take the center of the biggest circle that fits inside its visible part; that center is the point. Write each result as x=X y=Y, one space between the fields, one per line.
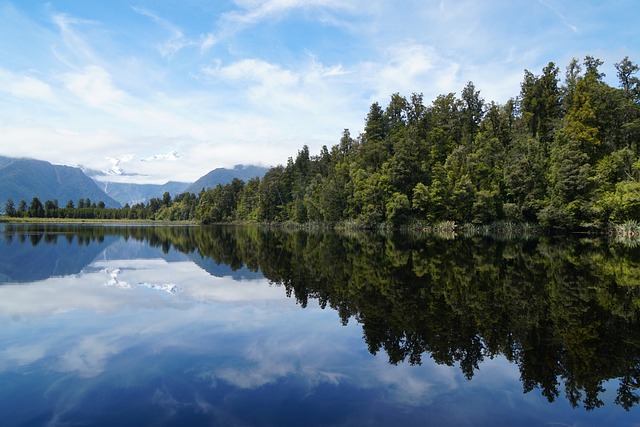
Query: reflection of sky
x=131 y=340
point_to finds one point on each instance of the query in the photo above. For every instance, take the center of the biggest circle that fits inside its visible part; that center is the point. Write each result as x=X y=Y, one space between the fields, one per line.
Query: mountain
x=128 y=193
x=131 y=194
x=24 y=179
x=225 y=176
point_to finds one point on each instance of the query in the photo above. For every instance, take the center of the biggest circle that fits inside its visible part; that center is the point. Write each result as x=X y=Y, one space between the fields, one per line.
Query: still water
x=233 y=326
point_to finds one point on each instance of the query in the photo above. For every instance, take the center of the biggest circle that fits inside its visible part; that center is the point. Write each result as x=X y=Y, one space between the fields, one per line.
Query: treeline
x=181 y=208
x=560 y=154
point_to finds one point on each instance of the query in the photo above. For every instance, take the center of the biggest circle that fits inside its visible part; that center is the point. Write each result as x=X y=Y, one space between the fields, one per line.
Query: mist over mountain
x=128 y=193
x=131 y=193
x=24 y=179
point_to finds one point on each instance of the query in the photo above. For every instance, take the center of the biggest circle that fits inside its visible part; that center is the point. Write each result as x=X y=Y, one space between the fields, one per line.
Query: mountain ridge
x=24 y=179
x=224 y=176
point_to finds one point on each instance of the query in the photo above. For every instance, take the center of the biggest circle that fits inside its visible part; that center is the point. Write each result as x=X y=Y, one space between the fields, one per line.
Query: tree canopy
x=558 y=154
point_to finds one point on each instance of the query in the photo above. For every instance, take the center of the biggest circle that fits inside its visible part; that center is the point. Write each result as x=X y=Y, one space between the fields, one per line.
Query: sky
x=159 y=90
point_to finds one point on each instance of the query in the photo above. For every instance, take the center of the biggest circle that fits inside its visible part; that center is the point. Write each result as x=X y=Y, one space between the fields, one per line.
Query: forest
x=563 y=153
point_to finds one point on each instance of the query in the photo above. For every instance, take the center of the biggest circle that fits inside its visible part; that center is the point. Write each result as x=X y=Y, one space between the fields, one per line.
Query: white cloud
x=244 y=85
x=207 y=41
x=411 y=67
x=255 y=70
x=94 y=86
x=24 y=86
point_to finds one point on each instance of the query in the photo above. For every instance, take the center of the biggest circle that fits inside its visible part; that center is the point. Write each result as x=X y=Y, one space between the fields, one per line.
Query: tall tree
x=472 y=111
x=540 y=102
x=36 y=209
x=9 y=208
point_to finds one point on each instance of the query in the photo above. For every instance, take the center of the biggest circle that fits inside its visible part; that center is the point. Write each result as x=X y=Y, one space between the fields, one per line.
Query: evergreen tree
x=9 y=208
x=36 y=209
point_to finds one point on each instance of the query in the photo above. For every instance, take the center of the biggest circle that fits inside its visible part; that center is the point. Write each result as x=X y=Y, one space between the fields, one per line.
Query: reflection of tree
x=565 y=311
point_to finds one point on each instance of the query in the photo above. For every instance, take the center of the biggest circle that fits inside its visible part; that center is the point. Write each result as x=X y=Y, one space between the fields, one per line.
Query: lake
x=247 y=326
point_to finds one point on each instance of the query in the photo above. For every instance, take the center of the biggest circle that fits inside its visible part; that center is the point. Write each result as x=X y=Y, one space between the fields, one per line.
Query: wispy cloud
x=252 y=11
x=73 y=48
x=251 y=81
x=176 y=40
x=560 y=15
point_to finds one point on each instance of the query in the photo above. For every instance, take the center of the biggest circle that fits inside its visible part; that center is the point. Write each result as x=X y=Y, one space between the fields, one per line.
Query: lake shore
x=27 y=220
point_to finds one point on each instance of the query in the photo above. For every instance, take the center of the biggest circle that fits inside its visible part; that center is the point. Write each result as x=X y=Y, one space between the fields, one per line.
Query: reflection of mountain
x=66 y=250
x=57 y=255
x=224 y=270
x=128 y=249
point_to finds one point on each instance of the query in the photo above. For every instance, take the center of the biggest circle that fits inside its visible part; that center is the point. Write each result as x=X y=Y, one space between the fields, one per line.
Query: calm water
x=125 y=325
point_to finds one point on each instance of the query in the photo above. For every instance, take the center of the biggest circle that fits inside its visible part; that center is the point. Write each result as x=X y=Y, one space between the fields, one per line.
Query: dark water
x=231 y=326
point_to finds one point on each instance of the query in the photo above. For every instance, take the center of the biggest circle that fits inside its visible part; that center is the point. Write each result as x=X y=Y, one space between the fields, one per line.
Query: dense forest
x=563 y=153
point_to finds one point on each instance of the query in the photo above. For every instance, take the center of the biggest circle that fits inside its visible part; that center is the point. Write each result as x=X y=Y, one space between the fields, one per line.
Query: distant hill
x=225 y=176
x=132 y=194
x=24 y=179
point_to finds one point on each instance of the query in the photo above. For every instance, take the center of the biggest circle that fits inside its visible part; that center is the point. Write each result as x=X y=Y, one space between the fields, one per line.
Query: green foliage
x=36 y=209
x=560 y=155
x=10 y=208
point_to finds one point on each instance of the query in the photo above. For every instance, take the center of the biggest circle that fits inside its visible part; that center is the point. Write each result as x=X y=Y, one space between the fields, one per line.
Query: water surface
x=143 y=325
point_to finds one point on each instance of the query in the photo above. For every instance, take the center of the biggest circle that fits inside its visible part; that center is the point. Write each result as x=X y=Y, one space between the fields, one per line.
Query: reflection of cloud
x=404 y=385
x=87 y=292
x=243 y=334
x=114 y=280
x=89 y=357
x=23 y=354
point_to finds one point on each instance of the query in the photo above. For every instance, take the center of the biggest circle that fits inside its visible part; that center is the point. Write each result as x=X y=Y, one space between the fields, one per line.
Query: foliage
x=558 y=155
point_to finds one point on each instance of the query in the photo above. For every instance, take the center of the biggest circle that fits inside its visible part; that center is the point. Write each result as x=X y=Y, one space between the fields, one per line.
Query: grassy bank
x=15 y=220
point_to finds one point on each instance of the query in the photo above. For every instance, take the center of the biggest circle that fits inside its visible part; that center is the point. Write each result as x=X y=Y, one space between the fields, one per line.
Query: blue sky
x=168 y=90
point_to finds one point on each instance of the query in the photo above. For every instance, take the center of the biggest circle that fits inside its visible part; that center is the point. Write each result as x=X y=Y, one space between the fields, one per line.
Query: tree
x=571 y=77
x=9 y=208
x=398 y=207
x=36 y=209
x=628 y=82
x=273 y=195
x=22 y=208
x=373 y=150
x=540 y=102
x=166 y=199
x=630 y=111
x=50 y=208
x=472 y=110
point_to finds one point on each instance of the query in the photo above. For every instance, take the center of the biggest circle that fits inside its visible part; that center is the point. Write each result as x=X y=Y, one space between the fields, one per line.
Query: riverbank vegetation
x=561 y=154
